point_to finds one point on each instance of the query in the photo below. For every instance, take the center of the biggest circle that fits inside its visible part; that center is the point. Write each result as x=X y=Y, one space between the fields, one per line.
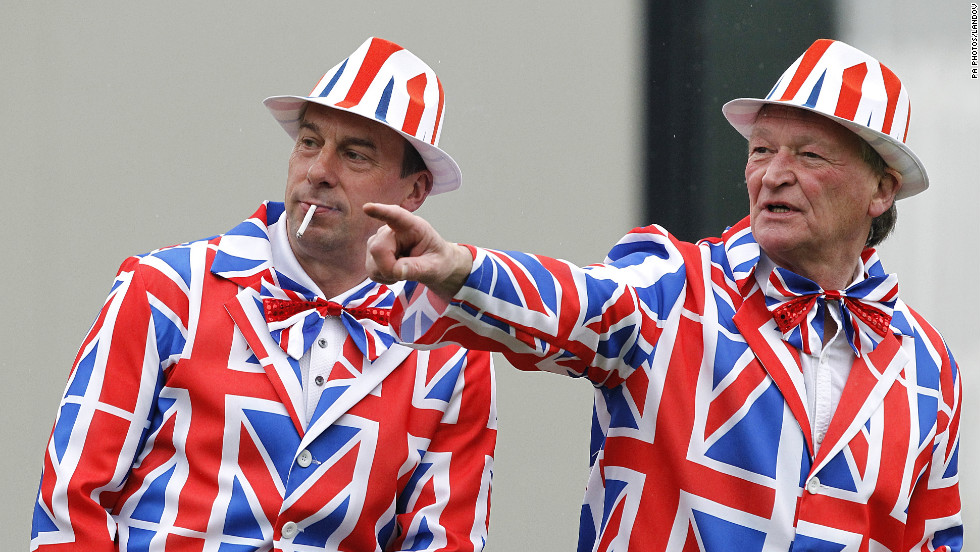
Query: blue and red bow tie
x=277 y=310
x=295 y=324
x=866 y=310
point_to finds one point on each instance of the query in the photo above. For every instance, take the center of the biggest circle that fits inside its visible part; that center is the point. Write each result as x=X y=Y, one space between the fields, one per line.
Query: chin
x=775 y=244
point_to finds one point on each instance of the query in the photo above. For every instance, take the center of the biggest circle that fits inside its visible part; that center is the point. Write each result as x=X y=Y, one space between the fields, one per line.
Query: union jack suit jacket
x=701 y=438
x=179 y=427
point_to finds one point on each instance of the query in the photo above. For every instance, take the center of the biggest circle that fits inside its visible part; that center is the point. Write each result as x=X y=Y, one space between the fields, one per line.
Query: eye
x=354 y=155
x=811 y=155
x=307 y=142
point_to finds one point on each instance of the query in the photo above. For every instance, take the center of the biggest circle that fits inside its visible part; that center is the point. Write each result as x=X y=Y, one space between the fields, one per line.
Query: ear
x=421 y=183
x=888 y=186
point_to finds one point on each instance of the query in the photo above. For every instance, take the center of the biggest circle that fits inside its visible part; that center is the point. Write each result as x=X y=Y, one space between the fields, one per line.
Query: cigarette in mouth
x=306 y=221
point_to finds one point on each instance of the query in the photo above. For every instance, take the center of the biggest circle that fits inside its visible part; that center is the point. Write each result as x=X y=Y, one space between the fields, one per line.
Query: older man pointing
x=765 y=390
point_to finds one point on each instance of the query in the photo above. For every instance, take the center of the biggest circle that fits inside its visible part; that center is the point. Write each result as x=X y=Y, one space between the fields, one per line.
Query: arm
x=444 y=503
x=601 y=321
x=100 y=425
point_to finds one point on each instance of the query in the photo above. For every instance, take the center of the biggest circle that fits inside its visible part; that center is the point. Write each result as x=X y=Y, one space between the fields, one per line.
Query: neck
x=333 y=278
x=333 y=281
x=837 y=274
x=334 y=271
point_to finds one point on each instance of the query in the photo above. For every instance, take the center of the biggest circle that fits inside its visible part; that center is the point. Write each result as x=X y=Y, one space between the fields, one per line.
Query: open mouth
x=777 y=208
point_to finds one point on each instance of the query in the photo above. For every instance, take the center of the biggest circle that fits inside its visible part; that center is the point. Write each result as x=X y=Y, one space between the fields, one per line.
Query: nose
x=323 y=169
x=779 y=170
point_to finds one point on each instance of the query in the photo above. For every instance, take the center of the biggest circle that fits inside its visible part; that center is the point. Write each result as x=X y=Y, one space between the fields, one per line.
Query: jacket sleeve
x=101 y=422
x=601 y=321
x=444 y=502
x=934 y=514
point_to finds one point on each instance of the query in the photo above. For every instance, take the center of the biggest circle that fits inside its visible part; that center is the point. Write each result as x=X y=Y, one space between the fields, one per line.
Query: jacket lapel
x=339 y=398
x=872 y=375
x=246 y=311
x=870 y=378
x=780 y=359
x=244 y=256
x=284 y=372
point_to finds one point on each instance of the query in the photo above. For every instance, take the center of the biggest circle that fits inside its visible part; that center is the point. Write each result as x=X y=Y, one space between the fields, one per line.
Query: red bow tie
x=277 y=310
x=793 y=312
x=799 y=305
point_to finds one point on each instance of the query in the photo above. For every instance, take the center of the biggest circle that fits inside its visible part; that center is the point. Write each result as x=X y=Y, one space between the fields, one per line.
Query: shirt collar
x=765 y=266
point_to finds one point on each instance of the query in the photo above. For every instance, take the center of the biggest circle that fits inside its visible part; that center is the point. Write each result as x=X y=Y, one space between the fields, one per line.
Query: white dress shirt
x=317 y=363
x=824 y=374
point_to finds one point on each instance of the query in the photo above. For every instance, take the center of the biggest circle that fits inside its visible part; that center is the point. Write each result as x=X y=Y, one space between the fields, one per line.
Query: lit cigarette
x=306 y=221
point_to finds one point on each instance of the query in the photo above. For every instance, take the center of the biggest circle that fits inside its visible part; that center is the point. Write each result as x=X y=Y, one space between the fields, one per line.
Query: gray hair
x=883 y=224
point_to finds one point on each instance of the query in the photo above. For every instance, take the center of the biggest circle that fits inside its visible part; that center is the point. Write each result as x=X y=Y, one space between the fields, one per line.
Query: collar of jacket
x=742 y=254
x=244 y=256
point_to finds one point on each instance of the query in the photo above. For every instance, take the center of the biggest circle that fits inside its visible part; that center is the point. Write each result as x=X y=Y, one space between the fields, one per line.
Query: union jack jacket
x=701 y=438
x=180 y=427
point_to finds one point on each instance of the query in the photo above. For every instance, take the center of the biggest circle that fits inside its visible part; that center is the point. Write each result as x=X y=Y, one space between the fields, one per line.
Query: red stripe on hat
x=435 y=127
x=893 y=87
x=416 y=103
x=852 y=80
x=809 y=61
x=908 y=118
x=378 y=53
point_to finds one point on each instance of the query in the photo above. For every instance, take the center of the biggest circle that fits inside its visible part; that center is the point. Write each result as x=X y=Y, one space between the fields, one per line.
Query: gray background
x=128 y=126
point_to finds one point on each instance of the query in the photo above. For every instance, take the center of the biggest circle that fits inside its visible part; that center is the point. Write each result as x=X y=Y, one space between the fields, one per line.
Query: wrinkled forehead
x=802 y=122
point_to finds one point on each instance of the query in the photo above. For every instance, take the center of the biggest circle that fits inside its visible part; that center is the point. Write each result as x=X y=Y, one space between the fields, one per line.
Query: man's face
x=340 y=162
x=811 y=195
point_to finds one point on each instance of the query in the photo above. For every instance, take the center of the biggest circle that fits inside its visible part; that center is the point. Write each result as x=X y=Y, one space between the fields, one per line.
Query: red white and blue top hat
x=852 y=88
x=385 y=83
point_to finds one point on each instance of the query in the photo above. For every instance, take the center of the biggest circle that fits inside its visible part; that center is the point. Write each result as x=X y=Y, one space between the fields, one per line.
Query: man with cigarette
x=765 y=390
x=245 y=392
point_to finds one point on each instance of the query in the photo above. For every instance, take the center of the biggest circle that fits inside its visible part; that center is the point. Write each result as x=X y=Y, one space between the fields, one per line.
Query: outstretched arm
x=601 y=321
x=409 y=248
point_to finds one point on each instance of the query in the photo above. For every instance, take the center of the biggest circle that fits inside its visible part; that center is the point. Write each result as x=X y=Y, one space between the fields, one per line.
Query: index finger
x=394 y=216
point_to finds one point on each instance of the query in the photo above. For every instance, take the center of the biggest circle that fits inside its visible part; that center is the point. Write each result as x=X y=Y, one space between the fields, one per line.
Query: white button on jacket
x=304 y=459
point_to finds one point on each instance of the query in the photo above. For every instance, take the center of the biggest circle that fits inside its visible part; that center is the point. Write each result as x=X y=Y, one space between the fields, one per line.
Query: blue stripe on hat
x=773 y=89
x=382 y=111
x=326 y=90
x=815 y=93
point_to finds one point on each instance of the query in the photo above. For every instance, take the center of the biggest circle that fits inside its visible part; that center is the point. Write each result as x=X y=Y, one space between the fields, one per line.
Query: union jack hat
x=852 y=88
x=385 y=83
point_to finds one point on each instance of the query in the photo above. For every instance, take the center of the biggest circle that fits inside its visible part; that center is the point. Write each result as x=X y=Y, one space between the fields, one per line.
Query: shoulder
x=249 y=236
x=735 y=253
x=647 y=256
x=932 y=353
x=922 y=328
x=645 y=242
x=176 y=263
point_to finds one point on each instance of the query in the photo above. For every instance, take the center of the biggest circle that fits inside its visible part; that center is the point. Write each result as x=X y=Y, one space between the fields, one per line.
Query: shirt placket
x=321 y=358
x=833 y=358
